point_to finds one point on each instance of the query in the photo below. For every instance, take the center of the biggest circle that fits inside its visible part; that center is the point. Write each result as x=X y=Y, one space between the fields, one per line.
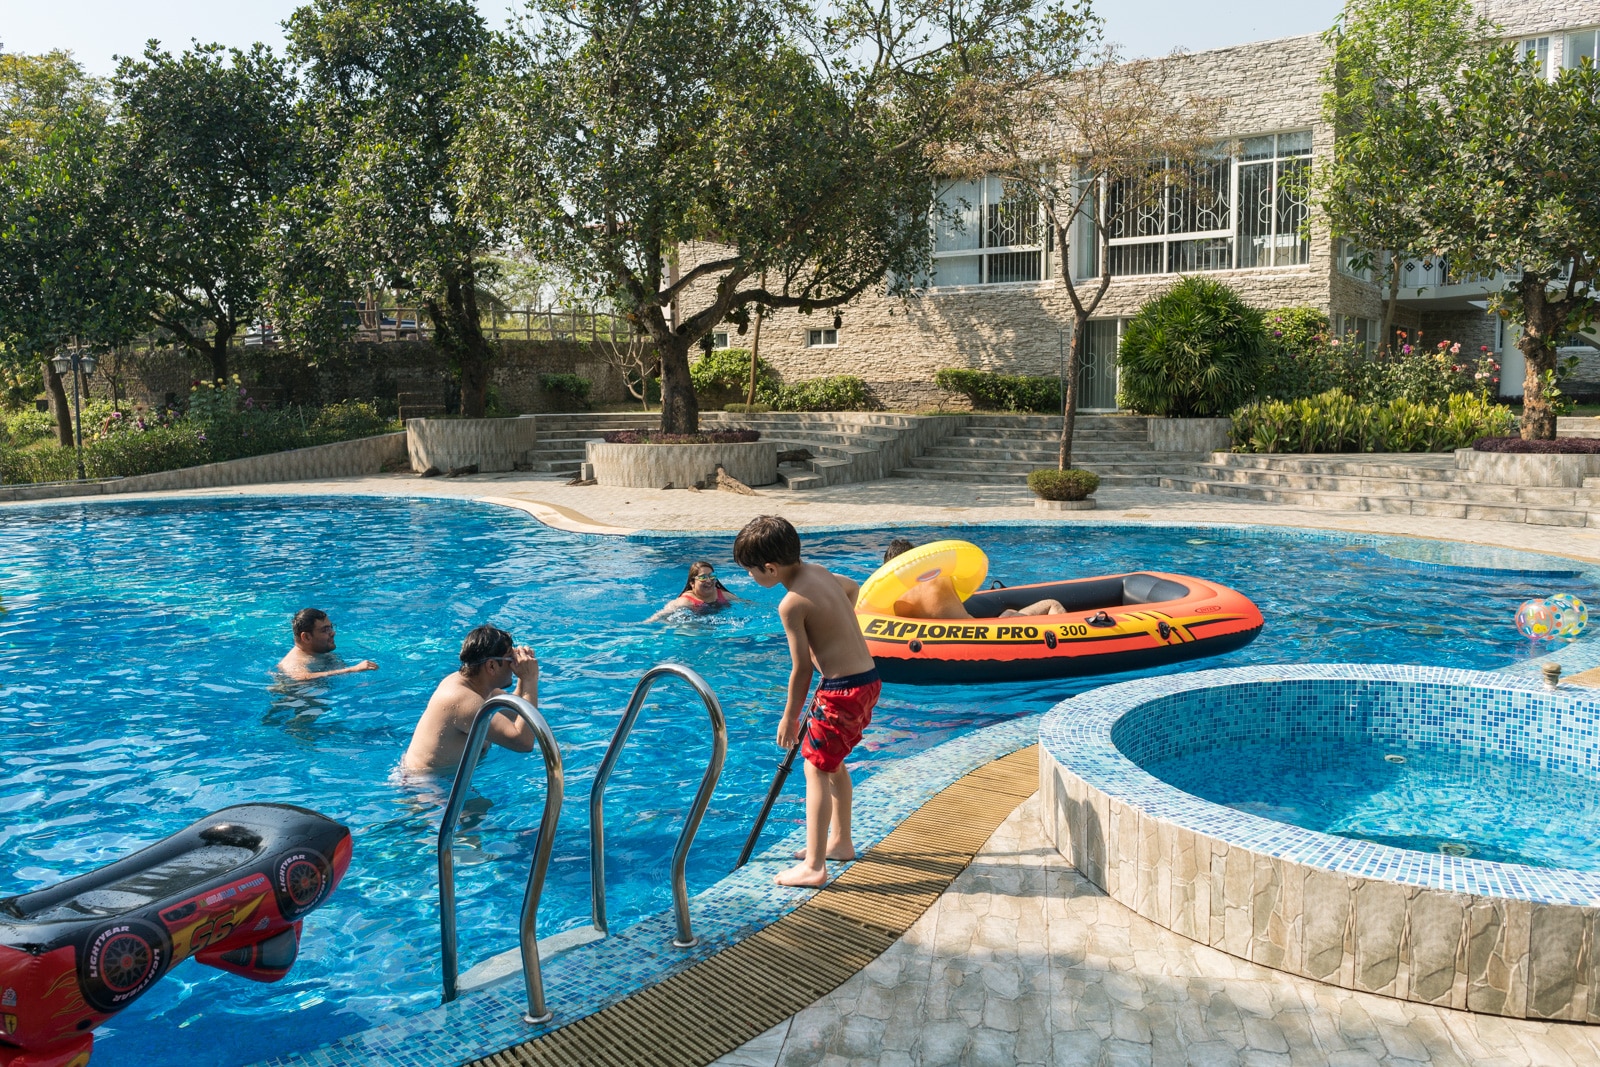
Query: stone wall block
x=1238 y=893
x=1266 y=902
x=491 y=445
x=1558 y=948
x=1189 y=435
x=680 y=466
x=1328 y=901
x=1379 y=926
x=1186 y=877
x=1436 y=947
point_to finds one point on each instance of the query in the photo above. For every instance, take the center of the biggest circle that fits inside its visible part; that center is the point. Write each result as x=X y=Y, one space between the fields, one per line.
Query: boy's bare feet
x=801 y=875
x=836 y=853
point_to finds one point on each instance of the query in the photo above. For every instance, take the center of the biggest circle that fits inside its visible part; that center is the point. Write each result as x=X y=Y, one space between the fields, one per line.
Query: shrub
x=1195 y=350
x=746 y=409
x=726 y=372
x=1335 y=422
x=573 y=387
x=650 y=437
x=348 y=420
x=843 y=392
x=1070 y=484
x=1561 y=446
x=1002 y=392
x=22 y=428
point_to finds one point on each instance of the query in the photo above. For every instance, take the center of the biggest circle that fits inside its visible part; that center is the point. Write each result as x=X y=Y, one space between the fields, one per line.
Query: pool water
x=137 y=642
x=1431 y=799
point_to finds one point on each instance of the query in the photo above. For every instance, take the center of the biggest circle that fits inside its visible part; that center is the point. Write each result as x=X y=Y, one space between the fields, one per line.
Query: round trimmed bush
x=1195 y=351
x=1070 y=484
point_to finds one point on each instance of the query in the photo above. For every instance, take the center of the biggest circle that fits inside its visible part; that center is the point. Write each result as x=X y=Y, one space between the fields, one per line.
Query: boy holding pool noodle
x=818 y=613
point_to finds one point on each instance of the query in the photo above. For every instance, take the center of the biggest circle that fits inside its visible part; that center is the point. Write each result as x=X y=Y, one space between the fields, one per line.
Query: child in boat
x=702 y=593
x=938 y=600
x=819 y=620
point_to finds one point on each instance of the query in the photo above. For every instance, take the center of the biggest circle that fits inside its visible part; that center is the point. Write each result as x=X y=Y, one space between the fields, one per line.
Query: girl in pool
x=702 y=594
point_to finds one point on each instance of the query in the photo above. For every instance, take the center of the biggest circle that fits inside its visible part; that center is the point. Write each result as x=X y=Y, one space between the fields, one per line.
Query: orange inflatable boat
x=1118 y=622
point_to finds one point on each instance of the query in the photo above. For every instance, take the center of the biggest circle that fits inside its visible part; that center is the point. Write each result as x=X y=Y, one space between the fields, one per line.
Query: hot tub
x=1445 y=851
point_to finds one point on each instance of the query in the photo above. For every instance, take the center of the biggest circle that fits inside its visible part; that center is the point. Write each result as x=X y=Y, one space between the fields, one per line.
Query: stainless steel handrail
x=528 y=934
x=697 y=811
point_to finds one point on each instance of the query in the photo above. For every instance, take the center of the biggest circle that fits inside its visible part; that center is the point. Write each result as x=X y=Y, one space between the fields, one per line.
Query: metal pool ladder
x=702 y=799
x=528 y=934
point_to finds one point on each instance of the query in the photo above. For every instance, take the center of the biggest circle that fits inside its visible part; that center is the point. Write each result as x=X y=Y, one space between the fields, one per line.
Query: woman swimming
x=702 y=594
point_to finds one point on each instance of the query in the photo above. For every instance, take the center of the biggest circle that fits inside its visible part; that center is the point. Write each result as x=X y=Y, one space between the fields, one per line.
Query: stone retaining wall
x=680 y=466
x=491 y=445
x=1522 y=468
x=342 y=459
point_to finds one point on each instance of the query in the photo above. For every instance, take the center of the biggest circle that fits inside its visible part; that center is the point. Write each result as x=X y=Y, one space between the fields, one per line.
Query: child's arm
x=792 y=612
x=851 y=588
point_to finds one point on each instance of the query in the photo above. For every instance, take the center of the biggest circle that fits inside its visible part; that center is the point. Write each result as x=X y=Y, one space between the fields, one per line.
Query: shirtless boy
x=313 y=639
x=818 y=613
x=489 y=662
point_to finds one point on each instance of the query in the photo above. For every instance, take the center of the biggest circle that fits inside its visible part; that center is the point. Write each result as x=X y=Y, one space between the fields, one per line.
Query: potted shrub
x=1068 y=490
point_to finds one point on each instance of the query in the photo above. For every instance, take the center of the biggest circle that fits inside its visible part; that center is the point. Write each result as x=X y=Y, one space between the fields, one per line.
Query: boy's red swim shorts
x=841 y=711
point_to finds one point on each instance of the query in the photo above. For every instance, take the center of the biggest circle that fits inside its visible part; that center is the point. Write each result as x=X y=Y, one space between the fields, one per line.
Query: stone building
x=996 y=302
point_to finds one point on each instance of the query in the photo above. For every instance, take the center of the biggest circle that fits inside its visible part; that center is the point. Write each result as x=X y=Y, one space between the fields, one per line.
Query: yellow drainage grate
x=746 y=989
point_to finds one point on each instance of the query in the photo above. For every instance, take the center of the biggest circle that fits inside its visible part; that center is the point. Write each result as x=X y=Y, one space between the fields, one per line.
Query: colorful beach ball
x=1536 y=619
x=1572 y=615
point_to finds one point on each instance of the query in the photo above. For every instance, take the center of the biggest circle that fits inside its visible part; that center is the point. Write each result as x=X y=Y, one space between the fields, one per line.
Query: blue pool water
x=137 y=642
x=1438 y=800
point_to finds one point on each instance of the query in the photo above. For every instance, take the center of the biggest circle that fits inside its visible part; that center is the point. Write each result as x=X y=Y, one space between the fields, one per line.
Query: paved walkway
x=899 y=501
x=1022 y=961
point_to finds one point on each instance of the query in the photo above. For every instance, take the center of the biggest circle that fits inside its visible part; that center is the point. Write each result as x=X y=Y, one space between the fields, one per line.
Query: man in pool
x=313 y=649
x=489 y=663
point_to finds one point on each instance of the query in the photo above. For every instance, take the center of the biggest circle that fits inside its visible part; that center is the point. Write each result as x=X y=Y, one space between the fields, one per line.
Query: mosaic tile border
x=1451 y=931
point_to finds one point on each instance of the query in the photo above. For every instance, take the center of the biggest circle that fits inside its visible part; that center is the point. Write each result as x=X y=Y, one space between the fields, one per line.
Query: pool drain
x=1455 y=848
x=1393 y=758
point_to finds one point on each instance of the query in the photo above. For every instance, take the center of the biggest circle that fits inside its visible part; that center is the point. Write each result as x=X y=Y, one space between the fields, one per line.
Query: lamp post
x=72 y=359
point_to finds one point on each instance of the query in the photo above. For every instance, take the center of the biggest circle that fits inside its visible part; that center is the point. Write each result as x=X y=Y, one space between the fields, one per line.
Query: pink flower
x=1455 y=349
x=1457 y=369
x=1483 y=348
x=1334 y=342
x=1405 y=348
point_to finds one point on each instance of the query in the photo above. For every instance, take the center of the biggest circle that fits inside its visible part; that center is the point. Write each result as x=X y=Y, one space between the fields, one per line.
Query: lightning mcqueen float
x=229 y=891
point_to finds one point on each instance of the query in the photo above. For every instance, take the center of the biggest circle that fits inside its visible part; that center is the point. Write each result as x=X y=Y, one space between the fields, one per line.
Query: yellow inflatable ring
x=962 y=562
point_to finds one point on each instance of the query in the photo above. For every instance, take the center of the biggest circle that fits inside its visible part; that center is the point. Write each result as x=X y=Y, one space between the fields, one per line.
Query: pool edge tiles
x=1454 y=932
x=582 y=980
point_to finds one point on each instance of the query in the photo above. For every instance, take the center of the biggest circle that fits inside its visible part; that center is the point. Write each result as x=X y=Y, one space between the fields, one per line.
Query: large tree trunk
x=1540 y=323
x=59 y=409
x=459 y=334
x=217 y=353
x=680 y=409
x=1069 y=403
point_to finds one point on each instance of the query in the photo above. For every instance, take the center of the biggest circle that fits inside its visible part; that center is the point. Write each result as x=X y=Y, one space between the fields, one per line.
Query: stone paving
x=1022 y=961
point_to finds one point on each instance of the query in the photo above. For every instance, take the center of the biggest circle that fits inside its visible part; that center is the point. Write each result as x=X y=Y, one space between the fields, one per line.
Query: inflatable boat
x=230 y=890
x=1110 y=623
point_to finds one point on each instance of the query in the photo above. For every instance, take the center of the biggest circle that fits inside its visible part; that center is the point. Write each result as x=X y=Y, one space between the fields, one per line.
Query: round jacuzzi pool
x=1423 y=833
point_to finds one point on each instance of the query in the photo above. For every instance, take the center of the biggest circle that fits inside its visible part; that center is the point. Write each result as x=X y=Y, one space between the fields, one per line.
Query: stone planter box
x=680 y=466
x=491 y=445
x=1521 y=468
x=1189 y=435
x=1064 y=505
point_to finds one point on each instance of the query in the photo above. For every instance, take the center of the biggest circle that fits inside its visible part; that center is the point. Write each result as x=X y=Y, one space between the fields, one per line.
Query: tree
x=668 y=154
x=206 y=146
x=1095 y=150
x=1390 y=61
x=60 y=278
x=391 y=85
x=1516 y=193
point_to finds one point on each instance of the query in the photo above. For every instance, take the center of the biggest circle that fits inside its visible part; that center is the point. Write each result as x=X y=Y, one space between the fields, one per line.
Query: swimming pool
x=138 y=638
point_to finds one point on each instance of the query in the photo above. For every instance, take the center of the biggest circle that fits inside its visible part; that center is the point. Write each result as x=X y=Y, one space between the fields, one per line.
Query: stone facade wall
x=377 y=372
x=1522 y=18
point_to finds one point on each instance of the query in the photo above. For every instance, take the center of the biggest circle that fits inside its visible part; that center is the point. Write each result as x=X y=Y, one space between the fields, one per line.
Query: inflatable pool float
x=229 y=890
x=1116 y=622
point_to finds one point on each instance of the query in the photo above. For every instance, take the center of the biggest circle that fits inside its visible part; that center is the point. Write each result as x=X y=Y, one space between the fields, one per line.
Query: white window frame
x=827 y=337
x=983 y=252
x=719 y=339
x=1538 y=46
x=1569 y=42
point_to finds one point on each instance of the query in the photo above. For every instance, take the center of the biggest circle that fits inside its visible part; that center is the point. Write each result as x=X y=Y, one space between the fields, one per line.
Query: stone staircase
x=563 y=438
x=1002 y=449
x=846 y=446
x=1393 y=483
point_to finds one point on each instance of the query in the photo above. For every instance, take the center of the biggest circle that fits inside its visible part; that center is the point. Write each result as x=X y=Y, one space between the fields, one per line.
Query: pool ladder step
x=528 y=939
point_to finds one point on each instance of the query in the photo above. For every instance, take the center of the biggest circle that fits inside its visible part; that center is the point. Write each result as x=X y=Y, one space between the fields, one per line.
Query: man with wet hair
x=489 y=662
x=313 y=648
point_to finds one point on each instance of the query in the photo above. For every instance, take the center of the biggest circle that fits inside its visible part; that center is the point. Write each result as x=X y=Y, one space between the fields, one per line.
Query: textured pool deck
x=1023 y=961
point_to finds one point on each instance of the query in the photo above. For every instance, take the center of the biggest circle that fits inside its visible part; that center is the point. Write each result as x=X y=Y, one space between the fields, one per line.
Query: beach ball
x=1572 y=615
x=1537 y=619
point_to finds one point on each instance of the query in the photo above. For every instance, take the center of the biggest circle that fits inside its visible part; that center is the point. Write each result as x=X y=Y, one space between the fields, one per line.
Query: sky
x=97 y=30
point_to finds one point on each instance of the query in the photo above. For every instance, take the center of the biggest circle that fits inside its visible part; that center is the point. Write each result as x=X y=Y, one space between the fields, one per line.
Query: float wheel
x=303 y=882
x=120 y=961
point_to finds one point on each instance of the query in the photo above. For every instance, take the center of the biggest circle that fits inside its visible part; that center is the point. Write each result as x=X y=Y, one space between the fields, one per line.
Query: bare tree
x=635 y=359
x=1099 y=151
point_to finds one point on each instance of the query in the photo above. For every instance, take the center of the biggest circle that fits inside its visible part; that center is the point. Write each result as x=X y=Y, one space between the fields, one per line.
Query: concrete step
x=1098 y=464
x=1354 y=483
x=1046 y=455
x=1409 y=466
x=1107 y=480
x=1380 y=502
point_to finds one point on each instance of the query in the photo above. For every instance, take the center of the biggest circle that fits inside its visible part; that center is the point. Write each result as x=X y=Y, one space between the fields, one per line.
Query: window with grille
x=821 y=338
x=988 y=231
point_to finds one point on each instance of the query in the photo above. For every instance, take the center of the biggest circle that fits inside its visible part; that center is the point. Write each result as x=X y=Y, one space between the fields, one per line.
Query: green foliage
x=1002 y=392
x=842 y=392
x=747 y=409
x=727 y=371
x=23 y=428
x=1334 y=422
x=39 y=94
x=572 y=387
x=1195 y=350
x=1517 y=191
x=1070 y=484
